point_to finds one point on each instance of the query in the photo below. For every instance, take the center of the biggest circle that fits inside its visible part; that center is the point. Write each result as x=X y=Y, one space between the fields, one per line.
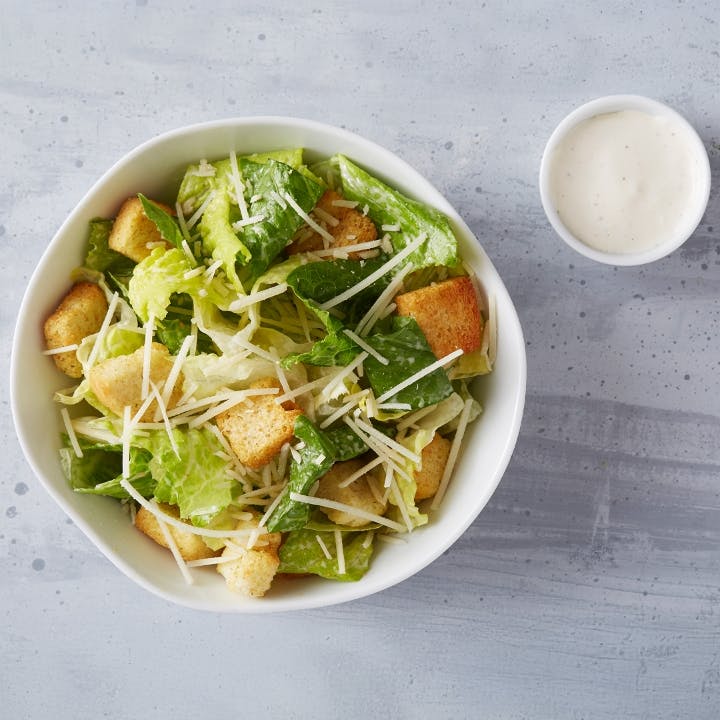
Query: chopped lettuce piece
x=316 y=458
x=316 y=283
x=408 y=352
x=161 y=275
x=165 y=223
x=266 y=239
x=301 y=553
x=98 y=255
x=389 y=207
x=196 y=480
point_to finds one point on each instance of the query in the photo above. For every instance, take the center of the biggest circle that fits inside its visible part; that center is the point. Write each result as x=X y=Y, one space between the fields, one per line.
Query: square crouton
x=257 y=428
x=190 y=546
x=79 y=314
x=250 y=572
x=346 y=225
x=447 y=313
x=434 y=458
x=358 y=493
x=133 y=234
x=117 y=382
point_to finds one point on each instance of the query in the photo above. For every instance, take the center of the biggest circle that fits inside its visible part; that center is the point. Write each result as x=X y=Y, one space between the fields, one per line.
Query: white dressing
x=625 y=182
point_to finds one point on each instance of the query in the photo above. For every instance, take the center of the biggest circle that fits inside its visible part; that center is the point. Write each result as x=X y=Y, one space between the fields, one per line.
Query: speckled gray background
x=590 y=586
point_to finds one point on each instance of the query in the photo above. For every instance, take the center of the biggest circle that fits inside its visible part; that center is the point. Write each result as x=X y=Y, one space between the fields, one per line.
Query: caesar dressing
x=625 y=182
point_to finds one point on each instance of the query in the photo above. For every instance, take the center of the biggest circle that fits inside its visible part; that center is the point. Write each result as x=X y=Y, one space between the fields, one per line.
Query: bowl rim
x=610 y=104
x=359 y=589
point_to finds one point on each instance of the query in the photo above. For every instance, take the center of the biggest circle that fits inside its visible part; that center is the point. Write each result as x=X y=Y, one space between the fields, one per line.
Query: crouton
x=79 y=314
x=434 y=459
x=350 y=227
x=117 y=382
x=447 y=313
x=132 y=230
x=257 y=428
x=191 y=546
x=252 y=573
x=357 y=493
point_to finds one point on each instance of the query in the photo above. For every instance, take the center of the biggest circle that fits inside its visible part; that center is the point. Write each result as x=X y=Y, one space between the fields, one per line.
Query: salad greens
x=250 y=367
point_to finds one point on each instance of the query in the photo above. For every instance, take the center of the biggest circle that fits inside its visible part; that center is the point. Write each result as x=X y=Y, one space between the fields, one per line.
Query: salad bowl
x=155 y=169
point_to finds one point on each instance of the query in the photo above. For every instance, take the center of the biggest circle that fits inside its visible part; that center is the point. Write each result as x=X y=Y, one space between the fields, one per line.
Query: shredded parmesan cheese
x=333 y=505
x=170 y=540
x=71 y=432
x=246 y=300
x=453 y=454
x=365 y=346
x=323 y=547
x=64 y=348
x=340 y=551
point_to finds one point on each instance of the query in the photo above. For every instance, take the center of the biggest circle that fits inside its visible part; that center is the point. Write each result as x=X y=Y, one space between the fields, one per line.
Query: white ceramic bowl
x=700 y=195
x=155 y=169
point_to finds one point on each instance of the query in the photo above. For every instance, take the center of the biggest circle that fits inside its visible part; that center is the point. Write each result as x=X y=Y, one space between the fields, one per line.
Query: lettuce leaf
x=315 y=283
x=165 y=223
x=266 y=239
x=316 y=458
x=408 y=351
x=197 y=480
x=389 y=207
x=301 y=553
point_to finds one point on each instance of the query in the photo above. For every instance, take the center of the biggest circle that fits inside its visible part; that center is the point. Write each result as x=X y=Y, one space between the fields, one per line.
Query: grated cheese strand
x=147 y=348
x=420 y=374
x=199 y=213
x=257 y=297
x=394 y=445
x=71 y=432
x=175 y=370
x=340 y=551
x=373 y=277
x=238 y=186
x=368 y=348
x=360 y=473
x=317 y=228
x=377 y=308
x=126 y=434
x=452 y=455
x=170 y=540
x=100 y=338
x=333 y=505
x=323 y=547
x=64 y=348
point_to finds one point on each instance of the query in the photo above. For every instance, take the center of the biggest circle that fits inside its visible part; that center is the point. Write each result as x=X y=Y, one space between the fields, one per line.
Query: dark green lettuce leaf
x=316 y=458
x=408 y=352
x=267 y=239
x=165 y=223
x=100 y=257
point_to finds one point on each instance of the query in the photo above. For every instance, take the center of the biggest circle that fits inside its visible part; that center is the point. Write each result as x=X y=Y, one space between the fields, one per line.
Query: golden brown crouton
x=133 y=230
x=79 y=314
x=447 y=313
x=434 y=459
x=252 y=573
x=117 y=382
x=191 y=546
x=257 y=428
x=349 y=227
x=357 y=493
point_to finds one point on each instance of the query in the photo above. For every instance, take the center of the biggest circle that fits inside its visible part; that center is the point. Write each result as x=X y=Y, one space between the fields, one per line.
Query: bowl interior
x=611 y=104
x=155 y=169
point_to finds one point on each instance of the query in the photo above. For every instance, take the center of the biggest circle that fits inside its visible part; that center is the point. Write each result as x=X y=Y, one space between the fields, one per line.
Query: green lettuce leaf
x=165 y=223
x=408 y=351
x=99 y=470
x=301 y=553
x=197 y=481
x=98 y=255
x=316 y=458
x=268 y=238
x=389 y=207
x=316 y=283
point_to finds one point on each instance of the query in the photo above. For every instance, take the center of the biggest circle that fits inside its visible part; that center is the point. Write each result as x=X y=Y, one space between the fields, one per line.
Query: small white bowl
x=155 y=168
x=699 y=199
